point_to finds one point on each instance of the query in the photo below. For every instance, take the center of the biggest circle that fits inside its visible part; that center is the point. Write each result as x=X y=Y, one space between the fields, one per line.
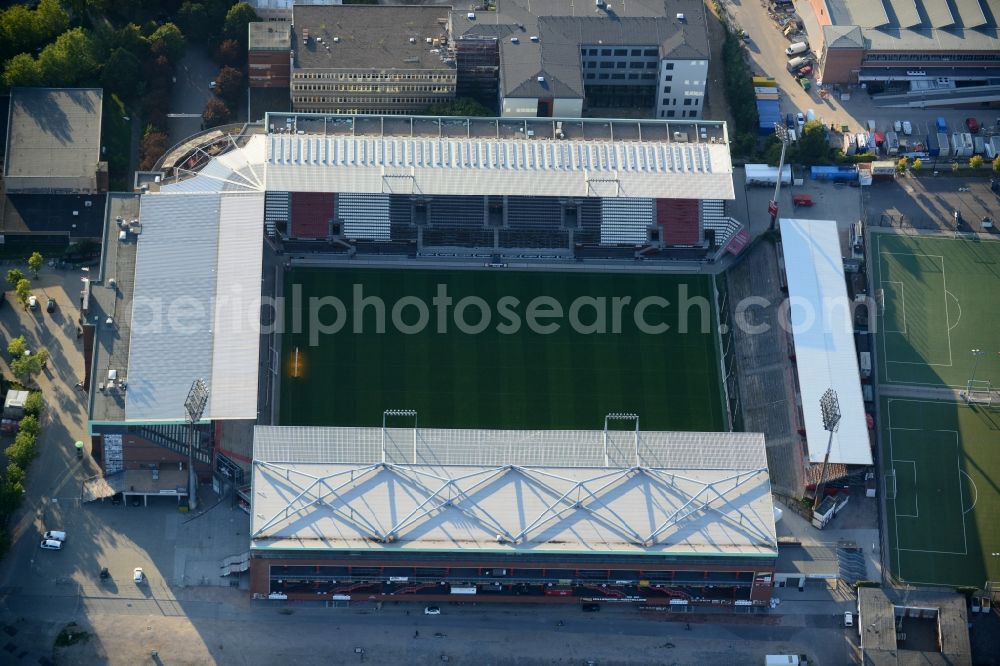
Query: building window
x=670 y=113
x=618 y=76
x=650 y=65
x=636 y=52
x=666 y=90
x=590 y=75
x=607 y=65
x=621 y=52
x=635 y=65
x=583 y=52
x=591 y=65
x=668 y=77
x=687 y=102
x=621 y=65
x=633 y=76
x=651 y=52
x=603 y=76
x=697 y=100
x=605 y=52
x=648 y=75
x=666 y=101
x=593 y=52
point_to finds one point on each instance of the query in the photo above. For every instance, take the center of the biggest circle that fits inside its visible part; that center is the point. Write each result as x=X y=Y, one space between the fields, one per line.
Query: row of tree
x=19 y=455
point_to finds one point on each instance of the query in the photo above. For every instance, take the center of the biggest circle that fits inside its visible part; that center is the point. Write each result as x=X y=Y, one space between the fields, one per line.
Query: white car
x=848 y=619
x=51 y=544
x=432 y=610
x=897 y=126
x=32 y=302
x=55 y=535
x=907 y=128
x=800 y=119
x=212 y=85
x=137 y=575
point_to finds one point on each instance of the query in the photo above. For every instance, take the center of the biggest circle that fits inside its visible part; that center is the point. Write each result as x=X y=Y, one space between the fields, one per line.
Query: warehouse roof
x=53 y=138
x=511 y=491
x=369 y=37
x=823 y=333
x=925 y=25
x=562 y=27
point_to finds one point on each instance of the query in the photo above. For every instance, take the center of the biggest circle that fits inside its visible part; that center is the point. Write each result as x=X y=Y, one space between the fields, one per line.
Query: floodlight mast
x=194 y=405
x=829 y=407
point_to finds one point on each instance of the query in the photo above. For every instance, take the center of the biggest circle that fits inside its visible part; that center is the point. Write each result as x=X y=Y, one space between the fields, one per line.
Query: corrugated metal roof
x=569 y=507
x=823 y=331
x=906 y=13
x=939 y=13
x=236 y=329
x=497 y=167
x=971 y=13
x=175 y=275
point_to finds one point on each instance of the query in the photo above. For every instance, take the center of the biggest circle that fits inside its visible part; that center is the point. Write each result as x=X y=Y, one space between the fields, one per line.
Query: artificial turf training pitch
x=506 y=376
x=940 y=466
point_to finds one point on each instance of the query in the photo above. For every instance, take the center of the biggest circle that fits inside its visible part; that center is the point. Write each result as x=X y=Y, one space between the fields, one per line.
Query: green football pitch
x=509 y=374
x=941 y=464
x=939 y=302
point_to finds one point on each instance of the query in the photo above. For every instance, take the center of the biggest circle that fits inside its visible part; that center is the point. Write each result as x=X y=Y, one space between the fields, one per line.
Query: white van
x=797 y=48
x=55 y=535
x=848 y=619
x=51 y=544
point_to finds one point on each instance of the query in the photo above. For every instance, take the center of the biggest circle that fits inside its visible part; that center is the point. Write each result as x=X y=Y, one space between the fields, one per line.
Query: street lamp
x=194 y=405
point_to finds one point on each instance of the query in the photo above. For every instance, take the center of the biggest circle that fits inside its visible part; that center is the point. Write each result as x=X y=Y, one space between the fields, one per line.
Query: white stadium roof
x=658 y=493
x=823 y=331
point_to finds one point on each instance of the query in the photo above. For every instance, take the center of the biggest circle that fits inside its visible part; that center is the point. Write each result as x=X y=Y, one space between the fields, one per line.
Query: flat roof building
x=380 y=512
x=925 y=628
x=54 y=141
x=370 y=59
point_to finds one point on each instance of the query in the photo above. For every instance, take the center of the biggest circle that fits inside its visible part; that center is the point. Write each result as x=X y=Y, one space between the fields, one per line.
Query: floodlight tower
x=829 y=406
x=194 y=405
x=772 y=207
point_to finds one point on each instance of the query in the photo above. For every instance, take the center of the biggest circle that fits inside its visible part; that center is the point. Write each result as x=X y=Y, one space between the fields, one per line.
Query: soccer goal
x=979 y=391
x=890 y=484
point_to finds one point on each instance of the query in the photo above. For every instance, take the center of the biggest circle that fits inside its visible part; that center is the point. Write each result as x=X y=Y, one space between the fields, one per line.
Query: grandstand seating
x=276 y=211
x=679 y=221
x=311 y=214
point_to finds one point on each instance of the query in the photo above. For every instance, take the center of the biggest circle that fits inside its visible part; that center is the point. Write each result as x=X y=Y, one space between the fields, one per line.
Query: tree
x=917 y=163
x=22 y=70
x=34 y=405
x=26 y=367
x=35 y=262
x=460 y=106
x=154 y=144
x=996 y=164
x=238 y=18
x=23 y=30
x=122 y=74
x=902 y=164
x=229 y=85
x=70 y=60
x=50 y=19
x=954 y=167
x=17 y=346
x=813 y=148
x=23 y=291
x=14 y=276
x=192 y=19
x=230 y=54
x=23 y=450
x=30 y=425
x=216 y=113
x=168 y=40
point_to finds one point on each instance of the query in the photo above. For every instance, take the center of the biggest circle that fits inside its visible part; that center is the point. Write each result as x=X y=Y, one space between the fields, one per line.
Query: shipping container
x=835 y=174
x=942 y=126
x=892 y=143
x=765 y=82
x=980 y=145
x=762 y=174
x=943 y=144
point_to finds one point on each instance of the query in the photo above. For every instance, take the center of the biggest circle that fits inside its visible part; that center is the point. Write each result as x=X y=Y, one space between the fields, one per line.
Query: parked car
x=897 y=126
x=32 y=303
x=800 y=119
x=50 y=305
x=432 y=610
x=51 y=544
x=973 y=125
x=212 y=85
x=848 y=619
x=138 y=576
x=907 y=128
x=55 y=535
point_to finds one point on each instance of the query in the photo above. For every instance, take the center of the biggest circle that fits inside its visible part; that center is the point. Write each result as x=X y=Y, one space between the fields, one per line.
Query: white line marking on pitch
x=916 y=496
x=974 y=487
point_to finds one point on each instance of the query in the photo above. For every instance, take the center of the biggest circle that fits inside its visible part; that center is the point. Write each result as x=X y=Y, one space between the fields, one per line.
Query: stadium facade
x=678 y=519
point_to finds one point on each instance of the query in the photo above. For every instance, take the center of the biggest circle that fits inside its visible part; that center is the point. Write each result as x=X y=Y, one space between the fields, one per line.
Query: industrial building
x=917 y=53
x=679 y=519
x=370 y=59
x=554 y=58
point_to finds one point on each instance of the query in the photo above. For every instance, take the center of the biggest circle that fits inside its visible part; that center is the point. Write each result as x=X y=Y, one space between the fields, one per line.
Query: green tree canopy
x=976 y=161
x=996 y=164
x=192 y=19
x=23 y=291
x=813 y=147
x=230 y=53
x=17 y=346
x=238 y=18
x=14 y=276
x=168 y=40
x=26 y=367
x=122 y=74
x=30 y=425
x=22 y=70
x=70 y=60
x=34 y=404
x=35 y=262
x=229 y=85
x=22 y=30
x=23 y=450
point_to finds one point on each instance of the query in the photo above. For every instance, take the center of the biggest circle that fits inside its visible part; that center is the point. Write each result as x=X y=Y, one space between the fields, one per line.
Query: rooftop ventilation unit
x=471 y=16
x=541 y=79
x=413 y=40
x=680 y=17
x=534 y=38
x=428 y=40
x=336 y=40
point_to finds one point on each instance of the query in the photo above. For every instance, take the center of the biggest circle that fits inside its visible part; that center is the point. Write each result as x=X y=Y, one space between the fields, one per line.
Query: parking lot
x=766 y=49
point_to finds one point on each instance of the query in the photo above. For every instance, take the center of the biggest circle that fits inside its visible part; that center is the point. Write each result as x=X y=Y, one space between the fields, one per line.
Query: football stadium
x=438 y=357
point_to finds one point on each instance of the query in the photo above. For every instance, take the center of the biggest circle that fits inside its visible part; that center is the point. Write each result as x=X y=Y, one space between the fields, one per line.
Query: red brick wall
x=269 y=69
x=841 y=65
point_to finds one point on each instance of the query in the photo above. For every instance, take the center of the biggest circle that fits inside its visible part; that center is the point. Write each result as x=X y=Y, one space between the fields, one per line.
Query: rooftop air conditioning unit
x=514 y=40
x=336 y=40
x=471 y=16
x=541 y=79
x=413 y=40
x=680 y=17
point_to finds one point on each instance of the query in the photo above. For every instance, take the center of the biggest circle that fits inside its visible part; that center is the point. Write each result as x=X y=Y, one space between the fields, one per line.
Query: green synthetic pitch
x=493 y=379
x=940 y=301
x=943 y=461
